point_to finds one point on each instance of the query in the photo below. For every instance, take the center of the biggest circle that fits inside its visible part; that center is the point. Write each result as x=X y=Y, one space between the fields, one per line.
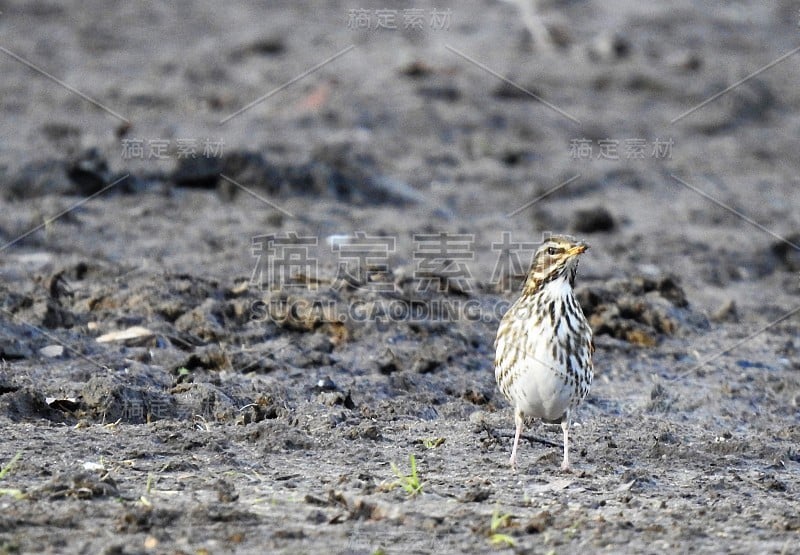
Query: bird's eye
x=552 y=251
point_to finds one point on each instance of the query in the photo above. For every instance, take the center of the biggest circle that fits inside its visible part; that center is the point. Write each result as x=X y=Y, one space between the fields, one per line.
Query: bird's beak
x=577 y=249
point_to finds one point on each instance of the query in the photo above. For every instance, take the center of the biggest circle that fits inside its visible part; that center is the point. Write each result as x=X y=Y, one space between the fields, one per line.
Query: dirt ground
x=252 y=260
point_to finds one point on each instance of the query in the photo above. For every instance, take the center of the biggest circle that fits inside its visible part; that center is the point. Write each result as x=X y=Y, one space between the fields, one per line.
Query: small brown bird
x=544 y=347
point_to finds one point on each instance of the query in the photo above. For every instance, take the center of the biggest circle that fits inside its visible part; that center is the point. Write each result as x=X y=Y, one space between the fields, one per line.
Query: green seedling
x=500 y=521
x=432 y=442
x=12 y=492
x=411 y=482
x=7 y=468
x=183 y=375
x=148 y=489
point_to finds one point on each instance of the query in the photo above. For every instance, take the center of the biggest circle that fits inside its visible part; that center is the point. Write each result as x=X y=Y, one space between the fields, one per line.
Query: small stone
x=726 y=312
x=326 y=384
x=52 y=351
x=593 y=220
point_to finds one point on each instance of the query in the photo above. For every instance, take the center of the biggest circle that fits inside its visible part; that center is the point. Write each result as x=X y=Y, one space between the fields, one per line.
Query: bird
x=544 y=344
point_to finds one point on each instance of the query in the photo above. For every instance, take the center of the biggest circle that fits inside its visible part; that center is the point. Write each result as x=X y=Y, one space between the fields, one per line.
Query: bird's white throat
x=556 y=289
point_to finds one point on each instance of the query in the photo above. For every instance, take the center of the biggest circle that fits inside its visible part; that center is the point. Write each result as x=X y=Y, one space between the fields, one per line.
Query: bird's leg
x=518 y=420
x=565 y=429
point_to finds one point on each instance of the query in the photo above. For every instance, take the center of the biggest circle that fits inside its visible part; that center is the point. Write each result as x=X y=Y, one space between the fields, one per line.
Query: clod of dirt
x=36 y=179
x=307 y=315
x=786 y=253
x=560 y=35
x=660 y=399
x=266 y=46
x=638 y=310
x=416 y=69
x=58 y=286
x=475 y=397
x=425 y=364
x=593 y=220
x=265 y=408
x=209 y=357
x=751 y=102
x=297 y=313
x=387 y=362
x=539 y=522
x=334 y=398
x=62 y=134
x=26 y=403
x=89 y=172
x=143 y=518
x=226 y=491
x=319 y=342
x=301 y=357
x=443 y=91
x=275 y=436
x=349 y=172
x=12 y=348
x=505 y=90
x=326 y=384
x=476 y=494
x=205 y=400
x=686 y=60
x=108 y=398
x=83 y=485
x=6 y=384
x=204 y=321
x=201 y=172
x=251 y=170
x=364 y=430
x=361 y=508
x=609 y=48
x=56 y=316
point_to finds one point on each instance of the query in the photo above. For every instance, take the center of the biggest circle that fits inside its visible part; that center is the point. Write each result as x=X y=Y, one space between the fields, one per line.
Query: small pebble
x=52 y=351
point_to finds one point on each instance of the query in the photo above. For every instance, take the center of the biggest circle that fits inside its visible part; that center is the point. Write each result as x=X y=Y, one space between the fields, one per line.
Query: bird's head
x=556 y=258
